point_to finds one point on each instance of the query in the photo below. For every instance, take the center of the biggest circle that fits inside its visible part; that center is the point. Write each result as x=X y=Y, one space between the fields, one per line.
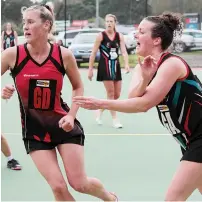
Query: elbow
x=148 y=106
x=145 y=107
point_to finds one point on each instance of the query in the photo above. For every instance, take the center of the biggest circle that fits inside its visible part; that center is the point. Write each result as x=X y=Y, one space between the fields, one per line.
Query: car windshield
x=84 y=39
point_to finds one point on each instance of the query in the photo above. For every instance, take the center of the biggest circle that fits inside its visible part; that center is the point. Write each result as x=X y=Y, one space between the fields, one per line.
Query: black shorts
x=194 y=152
x=38 y=137
x=34 y=145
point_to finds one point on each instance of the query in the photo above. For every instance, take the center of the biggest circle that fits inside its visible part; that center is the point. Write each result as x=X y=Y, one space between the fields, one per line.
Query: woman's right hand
x=7 y=91
x=90 y=74
x=148 y=67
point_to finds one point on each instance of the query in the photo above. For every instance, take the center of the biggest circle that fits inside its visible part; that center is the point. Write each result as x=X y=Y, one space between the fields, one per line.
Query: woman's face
x=33 y=26
x=110 y=23
x=145 y=42
x=8 y=26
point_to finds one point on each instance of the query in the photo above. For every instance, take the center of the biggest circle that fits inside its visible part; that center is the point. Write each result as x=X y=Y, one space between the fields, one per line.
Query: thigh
x=73 y=159
x=187 y=178
x=200 y=189
x=109 y=86
x=47 y=164
x=36 y=145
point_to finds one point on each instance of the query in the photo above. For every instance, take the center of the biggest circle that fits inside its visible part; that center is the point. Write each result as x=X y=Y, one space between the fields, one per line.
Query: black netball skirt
x=194 y=152
x=109 y=71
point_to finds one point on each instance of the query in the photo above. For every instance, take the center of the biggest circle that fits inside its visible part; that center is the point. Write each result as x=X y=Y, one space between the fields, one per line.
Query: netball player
x=109 y=42
x=38 y=68
x=166 y=81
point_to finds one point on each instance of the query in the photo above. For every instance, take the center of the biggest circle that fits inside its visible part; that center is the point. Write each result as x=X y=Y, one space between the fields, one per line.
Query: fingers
x=80 y=98
x=85 y=102
x=7 y=91
x=10 y=87
x=149 y=58
x=6 y=96
x=62 y=120
x=65 y=125
x=139 y=61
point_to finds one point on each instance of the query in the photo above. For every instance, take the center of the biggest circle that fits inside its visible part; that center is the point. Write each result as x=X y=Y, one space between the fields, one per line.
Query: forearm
x=74 y=108
x=91 y=61
x=139 y=89
x=133 y=105
x=125 y=59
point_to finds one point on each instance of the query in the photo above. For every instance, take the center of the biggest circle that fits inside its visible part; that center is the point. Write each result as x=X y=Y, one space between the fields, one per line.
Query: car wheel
x=78 y=64
x=179 y=47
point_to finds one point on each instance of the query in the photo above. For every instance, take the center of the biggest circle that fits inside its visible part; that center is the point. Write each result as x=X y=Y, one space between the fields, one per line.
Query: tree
x=11 y=10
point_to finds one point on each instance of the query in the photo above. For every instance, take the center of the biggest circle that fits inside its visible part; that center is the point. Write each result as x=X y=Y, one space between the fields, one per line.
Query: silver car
x=82 y=46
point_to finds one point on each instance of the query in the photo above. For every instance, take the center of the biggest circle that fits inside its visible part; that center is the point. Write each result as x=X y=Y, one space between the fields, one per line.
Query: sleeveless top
x=181 y=110
x=8 y=40
x=109 y=66
x=39 y=89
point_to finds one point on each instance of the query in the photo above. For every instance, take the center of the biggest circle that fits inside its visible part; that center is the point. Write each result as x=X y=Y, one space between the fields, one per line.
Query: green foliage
x=11 y=10
x=127 y=11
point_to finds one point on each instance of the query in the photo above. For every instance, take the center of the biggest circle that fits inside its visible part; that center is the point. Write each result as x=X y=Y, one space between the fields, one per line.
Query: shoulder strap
x=21 y=60
x=56 y=58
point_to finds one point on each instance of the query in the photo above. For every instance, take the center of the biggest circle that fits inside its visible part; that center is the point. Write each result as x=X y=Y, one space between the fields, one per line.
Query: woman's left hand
x=88 y=102
x=127 y=69
x=67 y=123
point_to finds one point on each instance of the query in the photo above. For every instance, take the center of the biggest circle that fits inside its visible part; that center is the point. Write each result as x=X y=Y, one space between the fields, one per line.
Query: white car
x=70 y=34
x=130 y=41
x=190 y=39
x=196 y=34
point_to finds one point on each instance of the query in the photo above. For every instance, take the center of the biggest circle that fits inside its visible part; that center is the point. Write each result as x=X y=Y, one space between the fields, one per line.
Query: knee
x=79 y=185
x=58 y=187
x=110 y=94
x=116 y=96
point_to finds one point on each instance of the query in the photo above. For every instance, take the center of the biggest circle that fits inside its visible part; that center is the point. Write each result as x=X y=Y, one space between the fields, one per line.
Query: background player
x=109 y=42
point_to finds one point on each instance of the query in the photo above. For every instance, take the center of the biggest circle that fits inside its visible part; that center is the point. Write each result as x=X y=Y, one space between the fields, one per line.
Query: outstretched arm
x=169 y=72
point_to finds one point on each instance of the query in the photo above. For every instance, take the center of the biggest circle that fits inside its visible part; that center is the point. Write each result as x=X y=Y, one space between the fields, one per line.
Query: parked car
x=82 y=46
x=70 y=34
x=189 y=39
x=131 y=41
x=197 y=35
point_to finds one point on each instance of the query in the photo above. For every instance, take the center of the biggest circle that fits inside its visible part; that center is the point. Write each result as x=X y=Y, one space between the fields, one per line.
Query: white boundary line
x=91 y=134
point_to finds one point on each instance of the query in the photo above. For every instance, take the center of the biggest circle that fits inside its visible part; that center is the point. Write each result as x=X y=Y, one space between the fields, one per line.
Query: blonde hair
x=111 y=15
x=46 y=13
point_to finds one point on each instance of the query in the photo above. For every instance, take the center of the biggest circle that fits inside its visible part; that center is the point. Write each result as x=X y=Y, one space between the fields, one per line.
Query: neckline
x=109 y=37
x=161 y=58
x=34 y=61
x=9 y=32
